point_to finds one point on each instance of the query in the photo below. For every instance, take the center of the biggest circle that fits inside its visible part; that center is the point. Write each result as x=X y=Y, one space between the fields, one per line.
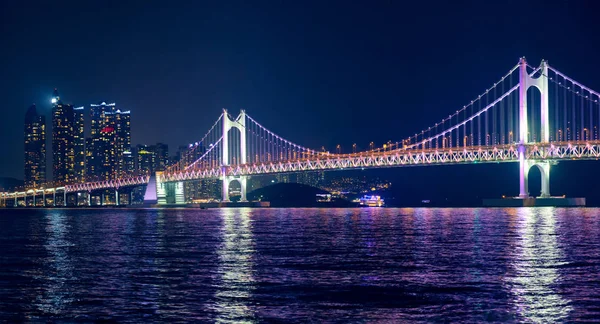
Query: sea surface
x=533 y=265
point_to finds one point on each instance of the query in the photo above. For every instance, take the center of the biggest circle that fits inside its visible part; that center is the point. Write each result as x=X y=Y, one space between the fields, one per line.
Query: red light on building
x=107 y=130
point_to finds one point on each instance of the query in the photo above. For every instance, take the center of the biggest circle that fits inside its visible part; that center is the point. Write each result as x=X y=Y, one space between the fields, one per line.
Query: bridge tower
x=541 y=83
x=228 y=124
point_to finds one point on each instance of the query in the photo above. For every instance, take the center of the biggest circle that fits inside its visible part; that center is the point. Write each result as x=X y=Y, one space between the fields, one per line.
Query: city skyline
x=303 y=87
x=91 y=144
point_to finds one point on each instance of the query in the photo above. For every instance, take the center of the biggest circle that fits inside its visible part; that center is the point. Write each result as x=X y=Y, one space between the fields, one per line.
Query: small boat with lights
x=371 y=201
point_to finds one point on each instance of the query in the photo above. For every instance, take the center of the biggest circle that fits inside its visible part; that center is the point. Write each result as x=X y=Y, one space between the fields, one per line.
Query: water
x=283 y=265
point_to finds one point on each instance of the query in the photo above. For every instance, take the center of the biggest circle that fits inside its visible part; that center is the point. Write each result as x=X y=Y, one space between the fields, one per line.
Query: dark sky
x=318 y=73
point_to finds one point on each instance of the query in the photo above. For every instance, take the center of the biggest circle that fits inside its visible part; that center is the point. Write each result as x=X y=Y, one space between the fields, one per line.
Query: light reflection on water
x=235 y=281
x=537 y=258
x=59 y=275
x=309 y=265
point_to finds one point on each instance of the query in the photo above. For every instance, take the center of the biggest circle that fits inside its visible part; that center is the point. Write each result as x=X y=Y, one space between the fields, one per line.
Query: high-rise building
x=79 y=144
x=63 y=153
x=97 y=116
x=110 y=130
x=35 y=148
x=120 y=121
x=97 y=143
x=106 y=158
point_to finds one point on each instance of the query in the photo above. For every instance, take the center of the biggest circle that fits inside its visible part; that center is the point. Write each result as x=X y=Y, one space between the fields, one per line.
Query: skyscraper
x=120 y=121
x=63 y=153
x=105 y=146
x=79 y=144
x=110 y=139
x=35 y=148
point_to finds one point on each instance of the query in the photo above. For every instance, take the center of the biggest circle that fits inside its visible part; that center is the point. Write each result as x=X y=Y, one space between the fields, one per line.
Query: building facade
x=145 y=159
x=162 y=156
x=63 y=152
x=79 y=144
x=110 y=140
x=35 y=148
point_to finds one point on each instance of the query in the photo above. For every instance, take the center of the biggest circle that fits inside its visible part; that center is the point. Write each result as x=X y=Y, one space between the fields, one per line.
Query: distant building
x=120 y=121
x=35 y=148
x=202 y=190
x=145 y=159
x=151 y=158
x=162 y=156
x=283 y=178
x=79 y=144
x=63 y=152
x=129 y=159
x=314 y=179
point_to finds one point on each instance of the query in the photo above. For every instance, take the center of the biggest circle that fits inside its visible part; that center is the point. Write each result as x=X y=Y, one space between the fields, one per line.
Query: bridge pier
x=225 y=188
x=541 y=83
x=161 y=190
x=525 y=167
x=179 y=195
x=243 y=180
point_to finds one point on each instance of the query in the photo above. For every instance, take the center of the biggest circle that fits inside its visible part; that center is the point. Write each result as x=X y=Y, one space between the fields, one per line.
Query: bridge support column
x=225 y=188
x=179 y=193
x=545 y=173
x=102 y=199
x=54 y=198
x=33 y=198
x=64 y=198
x=161 y=191
x=44 y=198
x=525 y=167
x=117 y=196
x=523 y=173
x=243 y=181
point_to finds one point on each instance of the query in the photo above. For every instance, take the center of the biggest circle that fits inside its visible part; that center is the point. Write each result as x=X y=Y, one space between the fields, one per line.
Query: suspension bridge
x=535 y=116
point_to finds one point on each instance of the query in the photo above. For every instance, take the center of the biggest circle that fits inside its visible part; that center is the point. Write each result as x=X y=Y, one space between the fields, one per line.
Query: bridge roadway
x=397 y=158
x=553 y=151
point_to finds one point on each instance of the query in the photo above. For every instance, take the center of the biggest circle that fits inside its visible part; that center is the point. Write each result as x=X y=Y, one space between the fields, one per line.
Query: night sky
x=318 y=73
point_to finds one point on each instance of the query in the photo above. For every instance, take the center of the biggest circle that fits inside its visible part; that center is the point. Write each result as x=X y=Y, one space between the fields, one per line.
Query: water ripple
x=532 y=265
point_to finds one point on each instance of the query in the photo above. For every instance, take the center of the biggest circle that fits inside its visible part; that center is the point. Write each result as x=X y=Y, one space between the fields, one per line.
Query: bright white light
x=211 y=144
x=53 y=100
